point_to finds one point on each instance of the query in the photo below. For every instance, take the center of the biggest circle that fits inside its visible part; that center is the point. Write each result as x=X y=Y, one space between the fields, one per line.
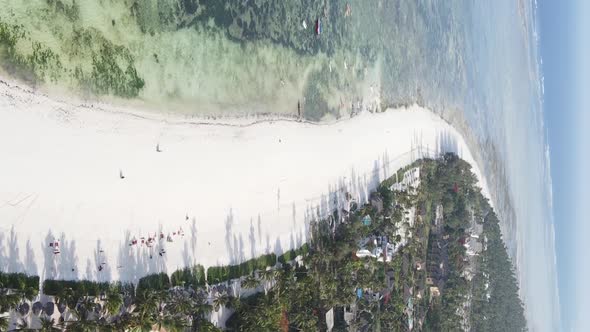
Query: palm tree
x=4 y=322
x=8 y=300
x=198 y=310
x=81 y=322
x=268 y=276
x=250 y=282
x=222 y=299
x=122 y=322
x=113 y=303
x=168 y=315
x=284 y=284
x=161 y=309
x=180 y=302
x=171 y=322
x=27 y=294
x=149 y=304
x=304 y=321
x=48 y=324
x=67 y=297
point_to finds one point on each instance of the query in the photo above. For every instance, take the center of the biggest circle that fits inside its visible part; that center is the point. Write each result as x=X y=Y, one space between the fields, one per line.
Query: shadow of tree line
x=133 y=263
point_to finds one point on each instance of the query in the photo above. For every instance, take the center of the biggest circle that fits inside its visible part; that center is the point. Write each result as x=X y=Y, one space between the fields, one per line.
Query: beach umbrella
x=24 y=309
x=49 y=308
x=61 y=307
x=37 y=308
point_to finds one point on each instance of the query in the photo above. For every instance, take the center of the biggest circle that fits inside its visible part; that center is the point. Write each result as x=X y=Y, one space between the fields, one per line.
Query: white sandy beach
x=247 y=190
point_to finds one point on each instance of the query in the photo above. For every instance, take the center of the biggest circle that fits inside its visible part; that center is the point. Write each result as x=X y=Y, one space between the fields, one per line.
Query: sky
x=565 y=51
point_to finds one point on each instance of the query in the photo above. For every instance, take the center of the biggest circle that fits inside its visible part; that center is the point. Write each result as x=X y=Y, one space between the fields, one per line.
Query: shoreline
x=152 y=113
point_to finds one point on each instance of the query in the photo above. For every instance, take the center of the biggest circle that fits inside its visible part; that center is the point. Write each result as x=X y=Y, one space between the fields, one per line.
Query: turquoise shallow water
x=473 y=62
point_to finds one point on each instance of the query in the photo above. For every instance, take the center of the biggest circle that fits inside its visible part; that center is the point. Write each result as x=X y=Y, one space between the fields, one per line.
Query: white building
x=380 y=250
x=410 y=181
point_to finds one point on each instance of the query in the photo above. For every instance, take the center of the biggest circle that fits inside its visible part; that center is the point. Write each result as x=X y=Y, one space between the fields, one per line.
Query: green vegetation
x=394 y=293
x=497 y=305
x=217 y=274
x=15 y=287
x=153 y=282
x=84 y=287
x=315 y=105
x=189 y=276
x=108 y=77
x=425 y=284
x=92 y=62
x=37 y=65
x=18 y=281
x=70 y=10
x=450 y=182
x=293 y=253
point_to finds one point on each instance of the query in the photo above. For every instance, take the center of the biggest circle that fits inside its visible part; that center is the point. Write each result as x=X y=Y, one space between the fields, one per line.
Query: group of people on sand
x=149 y=242
x=152 y=240
x=54 y=245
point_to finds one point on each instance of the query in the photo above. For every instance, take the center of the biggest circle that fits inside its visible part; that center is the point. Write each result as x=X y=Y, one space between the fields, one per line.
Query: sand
x=236 y=191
